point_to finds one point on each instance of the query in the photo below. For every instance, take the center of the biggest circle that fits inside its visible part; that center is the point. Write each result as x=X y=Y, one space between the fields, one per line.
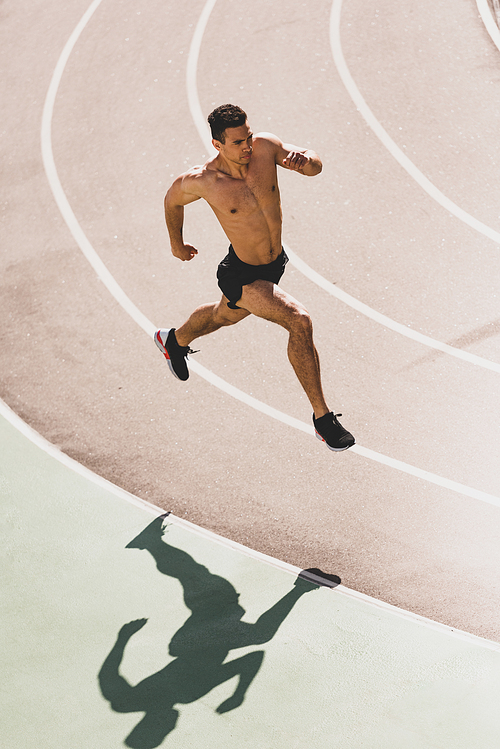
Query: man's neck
x=237 y=171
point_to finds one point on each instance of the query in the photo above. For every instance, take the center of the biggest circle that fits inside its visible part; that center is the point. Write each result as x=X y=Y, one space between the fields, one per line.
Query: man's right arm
x=175 y=200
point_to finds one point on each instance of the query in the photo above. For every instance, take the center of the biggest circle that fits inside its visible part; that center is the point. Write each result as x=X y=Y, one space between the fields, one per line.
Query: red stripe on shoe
x=158 y=338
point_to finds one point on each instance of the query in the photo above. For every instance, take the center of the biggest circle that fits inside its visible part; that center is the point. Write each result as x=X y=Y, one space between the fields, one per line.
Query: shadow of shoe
x=153 y=532
x=318 y=577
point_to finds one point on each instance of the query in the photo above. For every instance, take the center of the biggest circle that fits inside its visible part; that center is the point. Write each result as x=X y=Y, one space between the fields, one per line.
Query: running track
x=394 y=250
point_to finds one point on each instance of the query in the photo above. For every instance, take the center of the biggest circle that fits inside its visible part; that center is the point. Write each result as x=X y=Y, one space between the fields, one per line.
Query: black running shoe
x=330 y=430
x=174 y=354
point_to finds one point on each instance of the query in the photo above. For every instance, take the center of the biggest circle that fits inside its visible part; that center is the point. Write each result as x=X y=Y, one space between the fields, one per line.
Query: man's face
x=238 y=144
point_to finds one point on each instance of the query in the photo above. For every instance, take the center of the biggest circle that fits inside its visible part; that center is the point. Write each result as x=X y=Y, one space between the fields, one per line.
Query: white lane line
x=41 y=443
x=384 y=137
x=204 y=133
x=489 y=22
x=191 y=73
x=55 y=184
x=148 y=327
x=386 y=321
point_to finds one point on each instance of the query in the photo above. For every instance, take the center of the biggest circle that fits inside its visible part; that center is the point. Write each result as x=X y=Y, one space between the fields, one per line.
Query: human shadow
x=200 y=647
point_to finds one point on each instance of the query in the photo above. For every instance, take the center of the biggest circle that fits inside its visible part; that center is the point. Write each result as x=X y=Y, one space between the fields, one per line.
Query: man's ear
x=216 y=144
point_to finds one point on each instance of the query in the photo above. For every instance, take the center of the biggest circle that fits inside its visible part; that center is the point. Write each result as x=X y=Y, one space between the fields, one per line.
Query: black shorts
x=233 y=274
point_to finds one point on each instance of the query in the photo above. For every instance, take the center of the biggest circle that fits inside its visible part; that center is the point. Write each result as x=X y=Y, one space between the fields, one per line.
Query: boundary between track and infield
x=54 y=452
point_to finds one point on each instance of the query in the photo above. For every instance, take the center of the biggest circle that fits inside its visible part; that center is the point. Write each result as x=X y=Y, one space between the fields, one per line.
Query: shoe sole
x=335 y=449
x=164 y=351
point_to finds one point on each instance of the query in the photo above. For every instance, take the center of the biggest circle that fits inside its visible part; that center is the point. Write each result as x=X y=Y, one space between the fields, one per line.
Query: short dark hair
x=227 y=115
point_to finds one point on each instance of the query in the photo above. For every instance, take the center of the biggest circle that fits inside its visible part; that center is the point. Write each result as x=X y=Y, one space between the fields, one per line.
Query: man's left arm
x=302 y=160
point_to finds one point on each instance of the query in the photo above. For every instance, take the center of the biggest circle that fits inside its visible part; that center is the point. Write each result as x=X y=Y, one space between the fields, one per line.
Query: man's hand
x=301 y=160
x=184 y=252
x=295 y=161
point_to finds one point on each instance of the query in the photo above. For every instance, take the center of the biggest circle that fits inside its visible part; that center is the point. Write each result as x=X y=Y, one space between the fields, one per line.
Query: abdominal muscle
x=255 y=237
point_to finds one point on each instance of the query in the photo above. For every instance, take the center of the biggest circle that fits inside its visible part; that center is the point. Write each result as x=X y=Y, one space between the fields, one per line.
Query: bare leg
x=207 y=319
x=265 y=299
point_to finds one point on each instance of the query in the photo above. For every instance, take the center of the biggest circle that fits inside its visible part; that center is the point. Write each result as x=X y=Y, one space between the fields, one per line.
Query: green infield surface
x=122 y=627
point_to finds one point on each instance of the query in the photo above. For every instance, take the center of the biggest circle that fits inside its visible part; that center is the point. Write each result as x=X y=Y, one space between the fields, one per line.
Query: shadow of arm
x=113 y=686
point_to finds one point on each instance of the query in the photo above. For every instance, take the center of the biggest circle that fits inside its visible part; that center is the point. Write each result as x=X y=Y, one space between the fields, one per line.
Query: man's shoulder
x=267 y=146
x=196 y=178
x=266 y=140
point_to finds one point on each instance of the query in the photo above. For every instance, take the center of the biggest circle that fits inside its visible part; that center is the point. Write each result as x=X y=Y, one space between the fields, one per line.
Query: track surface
x=81 y=371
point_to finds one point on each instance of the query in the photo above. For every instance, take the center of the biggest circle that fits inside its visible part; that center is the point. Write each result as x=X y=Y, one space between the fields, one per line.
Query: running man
x=240 y=184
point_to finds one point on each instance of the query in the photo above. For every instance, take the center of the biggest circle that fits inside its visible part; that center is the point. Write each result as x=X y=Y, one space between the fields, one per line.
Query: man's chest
x=241 y=196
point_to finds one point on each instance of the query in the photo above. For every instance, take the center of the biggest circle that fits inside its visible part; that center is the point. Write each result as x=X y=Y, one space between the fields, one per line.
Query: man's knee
x=300 y=321
x=225 y=316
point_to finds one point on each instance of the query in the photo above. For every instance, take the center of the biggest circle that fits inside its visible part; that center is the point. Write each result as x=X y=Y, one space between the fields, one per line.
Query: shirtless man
x=241 y=186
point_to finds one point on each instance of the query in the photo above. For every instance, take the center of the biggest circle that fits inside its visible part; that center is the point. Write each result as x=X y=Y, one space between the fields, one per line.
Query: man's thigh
x=266 y=299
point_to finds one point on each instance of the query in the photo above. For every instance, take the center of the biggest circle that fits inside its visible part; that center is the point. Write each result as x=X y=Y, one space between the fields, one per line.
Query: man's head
x=227 y=115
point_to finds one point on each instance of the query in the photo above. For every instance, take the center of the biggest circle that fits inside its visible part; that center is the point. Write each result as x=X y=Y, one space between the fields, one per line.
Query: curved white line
x=489 y=22
x=306 y=270
x=384 y=137
x=191 y=72
x=147 y=325
x=55 y=184
x=386 y=321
